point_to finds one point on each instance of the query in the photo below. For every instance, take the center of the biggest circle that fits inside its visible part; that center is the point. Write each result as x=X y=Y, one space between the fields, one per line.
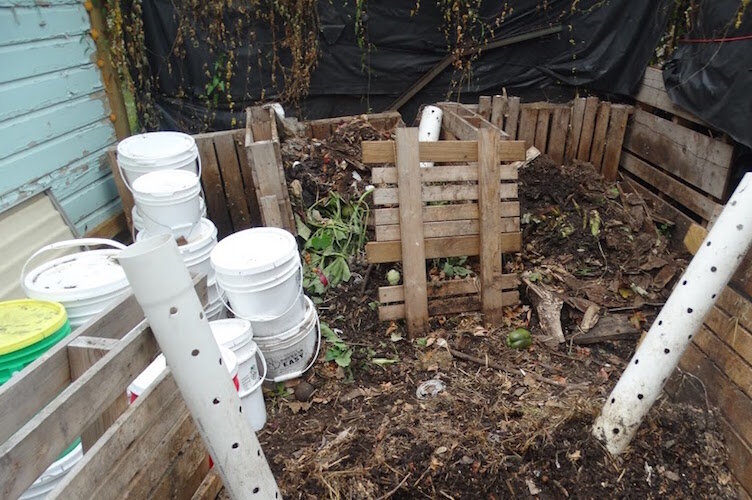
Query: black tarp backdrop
x=604 y=46
x=712 y=77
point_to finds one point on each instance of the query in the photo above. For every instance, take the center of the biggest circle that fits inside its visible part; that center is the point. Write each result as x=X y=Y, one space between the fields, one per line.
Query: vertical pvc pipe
x=681 y=317
x=429 y=128
x=163 y=288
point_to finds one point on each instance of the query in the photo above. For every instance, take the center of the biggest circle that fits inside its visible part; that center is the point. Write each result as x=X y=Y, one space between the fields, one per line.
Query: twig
x=366 y=276
x=632 y=308
x=394 y=490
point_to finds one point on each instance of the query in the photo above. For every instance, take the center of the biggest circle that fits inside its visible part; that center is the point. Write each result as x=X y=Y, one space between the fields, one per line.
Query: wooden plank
x=513 y=116
x=447 y=192
x=447 y=288
x=742 y=278
x=441 y=173
x=685 y=195
x=442 y=213
x=558 y=139
x=528 y=123
x=617 y=124
x=599 y=135
x=694 y=157
x=263 y=160
x=442 y=151
x=727 y=328
x=83 y=353
x=188 y=464
x=652 y=92
x=379 y=252
x=249 y=188
x=451 y=305
x=160 y=404
x=588 y=126
x=739 y=457
x=126 y=197
x=541 y=130
x=736 y=305
x=499 y=106
x=490 y=225
x=270 y=213
x=38 y=443
x=573 y=137
x=411 y=224
x=216 y=206
x=209 y=487
x=727 y=360
x=458 y=125
x=484 y=106
x=391 y=232
x=232 y=181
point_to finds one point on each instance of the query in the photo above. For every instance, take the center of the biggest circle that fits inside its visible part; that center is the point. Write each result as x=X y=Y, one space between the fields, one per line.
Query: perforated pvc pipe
x=429 y=128
x=163 y=288
x=681 y=317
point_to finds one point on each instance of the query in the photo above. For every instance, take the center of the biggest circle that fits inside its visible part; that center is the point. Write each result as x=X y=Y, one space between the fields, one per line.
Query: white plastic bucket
x=254 y=407
x=53 y=475
x=216 y=309
x=291 y=353
x=283 y=323
x=260 y=271
x=236 y=334
x=168 y=201
x=140 y=154
x=196 y=251
x=138 y=221
x=85 y=283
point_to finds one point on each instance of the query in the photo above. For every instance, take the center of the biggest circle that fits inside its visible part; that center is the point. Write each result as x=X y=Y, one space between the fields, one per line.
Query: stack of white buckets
x=163 y=171
x=260 y=272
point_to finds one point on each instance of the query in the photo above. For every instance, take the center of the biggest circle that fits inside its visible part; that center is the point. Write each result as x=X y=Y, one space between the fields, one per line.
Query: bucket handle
x=227 y=304
x=314 y=357
x=262 y=378
x=81 y=242
x=171 y=228
x=128 y=186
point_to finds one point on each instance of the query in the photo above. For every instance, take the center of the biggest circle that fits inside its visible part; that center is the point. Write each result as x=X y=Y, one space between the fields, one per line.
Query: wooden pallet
x=322 y=129
x=149 y=449
x=467 y=208
x=721 y=357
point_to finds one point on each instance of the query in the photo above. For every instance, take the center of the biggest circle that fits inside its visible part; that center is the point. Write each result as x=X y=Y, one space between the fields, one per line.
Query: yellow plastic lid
x=26 y=322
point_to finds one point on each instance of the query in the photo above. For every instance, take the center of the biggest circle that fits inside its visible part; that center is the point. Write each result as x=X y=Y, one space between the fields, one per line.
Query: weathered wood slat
x=490 y=226
x=513 y=116
x=698 y=159
x=575 y=128
x=441 y=213
x=457 y=246
x=528 y=123
x=617 y=124
x=451 y=305
x=441 y=173
x=438 y=289
x=499 y=106
x=391 y=232
x=464 y=123
x=727 y=360
x=685 y=195
x=216 y=206
x=588 y=127
x=541 y=130
x=484 y=106
x=599 y=135
x=411 y=228
x=559 y=128
x=232 y=181
x=249 y=188
x=727 y=328
x=447 y=192
x=442 y=151
x=652 y=92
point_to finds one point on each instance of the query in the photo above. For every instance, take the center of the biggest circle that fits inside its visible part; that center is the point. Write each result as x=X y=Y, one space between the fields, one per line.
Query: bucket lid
x=165 y=183
x=254 y=251
x=231 y=333
x=79 y=276
x=26 y=322
x=155 y=146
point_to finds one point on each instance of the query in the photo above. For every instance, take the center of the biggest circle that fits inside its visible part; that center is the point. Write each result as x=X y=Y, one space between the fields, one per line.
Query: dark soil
x=521 y=432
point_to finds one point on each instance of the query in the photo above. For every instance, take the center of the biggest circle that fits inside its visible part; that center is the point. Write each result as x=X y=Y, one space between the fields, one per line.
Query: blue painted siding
x=54 y=114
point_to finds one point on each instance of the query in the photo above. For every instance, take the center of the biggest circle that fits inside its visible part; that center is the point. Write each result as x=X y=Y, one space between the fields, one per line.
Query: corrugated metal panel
x=26 y=228
x=54 y=114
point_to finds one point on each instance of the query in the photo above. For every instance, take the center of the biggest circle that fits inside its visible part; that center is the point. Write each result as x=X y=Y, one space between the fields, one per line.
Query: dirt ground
x=518 y=428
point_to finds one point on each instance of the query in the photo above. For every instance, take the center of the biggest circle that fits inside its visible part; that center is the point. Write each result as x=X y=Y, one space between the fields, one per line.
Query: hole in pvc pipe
x=667 y=350
x=173 y=311
x=258 y=452
x=660 y=322
x=713 y=296
x=689 y=310
x=707 y=244
x=428 y=134
x=740 y=226
x=201 y=315
x=240 y=409
x=235 y=446
x=276 y=495
x=689 y=336
x=636 y=361
x=255 y=490
x=220 y=360
x=684 y=283
x=640 y=396
x=613 y=400
x=713 y=269
x=215 y=401
x=733 y=203
x=194 y=352
x=616 y=430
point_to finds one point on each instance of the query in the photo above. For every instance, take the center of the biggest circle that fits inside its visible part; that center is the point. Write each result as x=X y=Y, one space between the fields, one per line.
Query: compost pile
x=507 y=423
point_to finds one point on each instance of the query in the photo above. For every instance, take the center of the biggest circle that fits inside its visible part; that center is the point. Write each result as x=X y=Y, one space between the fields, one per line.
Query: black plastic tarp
x=710 y=74
x=604 y=46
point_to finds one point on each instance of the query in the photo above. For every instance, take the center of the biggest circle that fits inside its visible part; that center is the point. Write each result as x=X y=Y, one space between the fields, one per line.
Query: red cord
x=716 y=40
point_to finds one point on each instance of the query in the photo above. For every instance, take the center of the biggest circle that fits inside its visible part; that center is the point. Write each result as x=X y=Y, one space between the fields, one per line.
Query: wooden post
x=484 y=106
x=588 y=126
x=489 y=205
x=617 y=125
x=498 y=110
x=411 y=230
x=573 y=138
x=510 y=127
x=599 y=135
x=83 y=353
x=558 y=139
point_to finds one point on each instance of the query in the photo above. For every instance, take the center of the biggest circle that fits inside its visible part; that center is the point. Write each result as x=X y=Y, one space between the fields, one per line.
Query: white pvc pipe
x=680 y=319
x=429 y=128
x=163 y=288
